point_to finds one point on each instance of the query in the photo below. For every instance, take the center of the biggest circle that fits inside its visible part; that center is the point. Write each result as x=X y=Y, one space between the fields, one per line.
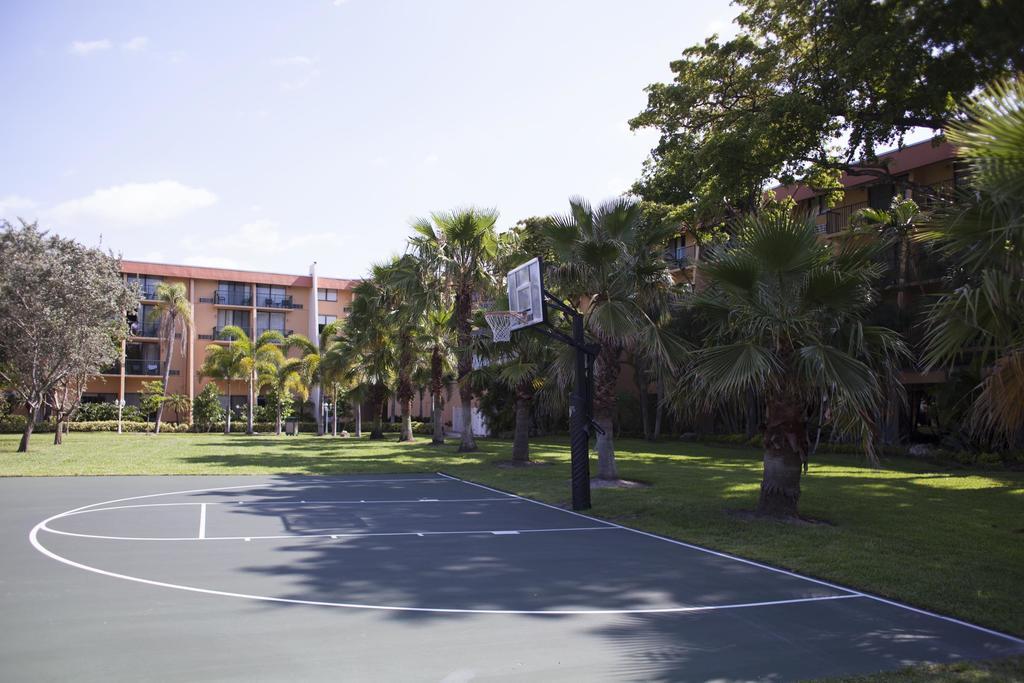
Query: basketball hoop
x=501 y=323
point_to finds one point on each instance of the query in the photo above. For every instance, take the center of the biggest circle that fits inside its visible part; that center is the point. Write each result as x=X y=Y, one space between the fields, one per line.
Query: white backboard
x=526 y=293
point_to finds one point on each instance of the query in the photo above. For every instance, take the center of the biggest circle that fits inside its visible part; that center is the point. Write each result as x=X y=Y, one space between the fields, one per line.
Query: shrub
x=94 y=412
x=206 y=407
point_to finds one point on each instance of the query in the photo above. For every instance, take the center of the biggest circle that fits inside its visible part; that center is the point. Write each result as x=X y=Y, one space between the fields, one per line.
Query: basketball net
x=501 y=322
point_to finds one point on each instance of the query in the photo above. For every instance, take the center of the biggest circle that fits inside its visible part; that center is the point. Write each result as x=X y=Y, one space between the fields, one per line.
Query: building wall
x=208 y=313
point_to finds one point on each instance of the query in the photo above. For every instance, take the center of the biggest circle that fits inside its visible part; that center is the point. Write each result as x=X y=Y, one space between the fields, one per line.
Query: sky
x=268 y=135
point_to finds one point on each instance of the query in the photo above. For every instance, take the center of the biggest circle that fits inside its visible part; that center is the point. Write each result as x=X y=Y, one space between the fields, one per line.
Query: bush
x=417 y=427
x=96 y=412
x=206 y=408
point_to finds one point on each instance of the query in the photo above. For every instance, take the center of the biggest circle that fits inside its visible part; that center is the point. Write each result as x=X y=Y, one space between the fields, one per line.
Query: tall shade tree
x=811 y=86
x=460 y=246
x=174 y=311
x=980 y=320
x=223 y=363
x=784 y=321
x=369 y=347
x=608 y=264
x=62 y=314
x=258 y=359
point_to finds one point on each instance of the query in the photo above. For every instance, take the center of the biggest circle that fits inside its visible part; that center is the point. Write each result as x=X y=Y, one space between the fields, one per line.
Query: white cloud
x=210 y=261
x=176 y=57
x=297 y=60
x=431 y=160
x=134 y=204
x=300 y=83
x=725 y=27
x=83 y=48
x=256 y=244
x=13 y=206
x=339 y=3
x=380 y=162
x=135 y=44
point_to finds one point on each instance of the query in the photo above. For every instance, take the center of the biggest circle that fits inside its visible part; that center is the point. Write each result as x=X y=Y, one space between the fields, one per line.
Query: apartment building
x=254 y=301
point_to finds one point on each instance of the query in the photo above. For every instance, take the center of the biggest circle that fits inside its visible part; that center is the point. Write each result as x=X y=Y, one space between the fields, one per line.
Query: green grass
x=949 y=541
x=1009 y=670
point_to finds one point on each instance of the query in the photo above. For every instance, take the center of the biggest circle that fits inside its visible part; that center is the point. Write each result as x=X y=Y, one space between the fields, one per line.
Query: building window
x=234 y=294
x=267 y=295
x=347 y=309
x=237 y=318
x=146 y=283
x=822 y=204
x=270 y=321
x=325 y=320
x=326 y=294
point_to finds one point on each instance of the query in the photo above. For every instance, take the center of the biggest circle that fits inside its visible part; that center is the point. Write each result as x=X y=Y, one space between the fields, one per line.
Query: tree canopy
x=810 y=88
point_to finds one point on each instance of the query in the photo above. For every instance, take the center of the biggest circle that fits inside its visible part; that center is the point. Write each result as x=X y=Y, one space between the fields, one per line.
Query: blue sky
x=266 y=135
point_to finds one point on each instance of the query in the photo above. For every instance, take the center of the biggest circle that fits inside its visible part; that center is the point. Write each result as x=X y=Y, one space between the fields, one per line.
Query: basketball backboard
x=526 y=293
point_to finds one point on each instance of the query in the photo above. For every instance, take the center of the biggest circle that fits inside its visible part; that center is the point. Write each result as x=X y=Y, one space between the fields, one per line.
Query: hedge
x=15 y=424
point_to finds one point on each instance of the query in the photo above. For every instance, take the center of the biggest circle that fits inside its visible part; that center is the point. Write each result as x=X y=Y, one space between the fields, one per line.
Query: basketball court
x=409 y=577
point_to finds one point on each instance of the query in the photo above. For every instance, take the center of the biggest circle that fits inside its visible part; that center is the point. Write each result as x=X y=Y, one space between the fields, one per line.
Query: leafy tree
x=151 y=397
x=206 y=407
x=174 y=311
x=62 y=314
x=809 y=88
x=609 y=263
x=784 y=319
x=460 y=247
x=223 y=363
x=180 y=404
x=980 y=321
x=257 y=359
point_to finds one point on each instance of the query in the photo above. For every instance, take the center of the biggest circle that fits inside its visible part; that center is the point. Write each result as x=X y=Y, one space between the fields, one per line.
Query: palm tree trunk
x=378 y=400
x=640 y=382
x=252 y=381
x=659 y=408
x=785 y=452
x=334 y=417
x=606 y=379
x=436 y=418
x=277 y=420
x=167 y=370
x=359 y=420
x=463 y=315
x=227 y=419
x=521 y=435
x=30 y=424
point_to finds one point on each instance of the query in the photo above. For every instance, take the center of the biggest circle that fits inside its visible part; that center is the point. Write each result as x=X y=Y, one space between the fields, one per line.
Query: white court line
x=335 y=534
x=202 y=520
x=296 y=503
x=850 y=593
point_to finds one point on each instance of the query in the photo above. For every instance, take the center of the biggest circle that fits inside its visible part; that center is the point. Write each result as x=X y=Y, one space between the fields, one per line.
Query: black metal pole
x=579 y=426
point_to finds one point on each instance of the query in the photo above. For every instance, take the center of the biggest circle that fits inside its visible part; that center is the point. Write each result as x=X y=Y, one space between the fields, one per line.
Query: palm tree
x=173 y=310
x=609 y=263
x=257 y=359
x=784 y=318
x=980 y=321
x=285 y=379
x=522 y=365
x=223 y=363
x=369 y=348
x=439 y=345
x=318 y=363
x=459 y=247
x=400 y=285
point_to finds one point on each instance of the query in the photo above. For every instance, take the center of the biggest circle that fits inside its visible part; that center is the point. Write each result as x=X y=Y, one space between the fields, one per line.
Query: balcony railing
x=277 y=301
x=229 y=299
x=146 y=329
x=943 y=193
x=838 y=219
x=680 y=256
x=284 y=333
x=148 y=293
x=217 y=331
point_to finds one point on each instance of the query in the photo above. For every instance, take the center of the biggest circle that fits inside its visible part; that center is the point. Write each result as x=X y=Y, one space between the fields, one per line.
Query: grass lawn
x=951 y=541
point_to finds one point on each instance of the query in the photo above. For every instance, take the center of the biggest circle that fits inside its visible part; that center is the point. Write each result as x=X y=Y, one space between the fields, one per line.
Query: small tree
x=180 y=404
x=64 y=401
x=62 y=314
x=206 y=407
x=224 y=363
x=151 y=397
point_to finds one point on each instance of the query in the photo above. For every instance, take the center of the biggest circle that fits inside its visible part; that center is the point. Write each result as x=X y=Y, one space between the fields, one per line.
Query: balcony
x=220 y=298
x=277 y=301
x=138 y=367
x=838 y=219
x=145 y=329
x=217 y=331
x=681 y=257
x=148 y=293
